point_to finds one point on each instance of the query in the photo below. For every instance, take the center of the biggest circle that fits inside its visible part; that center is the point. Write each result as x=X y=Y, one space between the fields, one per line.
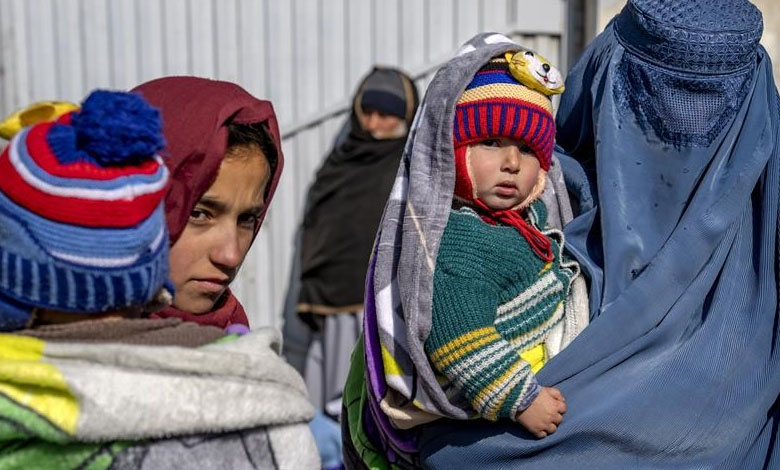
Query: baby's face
x=504 y=172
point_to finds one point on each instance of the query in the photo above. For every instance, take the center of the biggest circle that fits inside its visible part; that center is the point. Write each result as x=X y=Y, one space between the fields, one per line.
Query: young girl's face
x=504 y=172
x=206 y=257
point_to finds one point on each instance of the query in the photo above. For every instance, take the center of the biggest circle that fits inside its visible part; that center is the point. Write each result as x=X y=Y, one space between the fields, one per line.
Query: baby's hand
x=545 y=413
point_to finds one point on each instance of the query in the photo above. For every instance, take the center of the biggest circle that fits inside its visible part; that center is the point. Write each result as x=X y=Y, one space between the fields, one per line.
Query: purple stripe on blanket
x=395 y=438
x=376 y=424
x=237 y=328
x=375 y=434
x=373 y=350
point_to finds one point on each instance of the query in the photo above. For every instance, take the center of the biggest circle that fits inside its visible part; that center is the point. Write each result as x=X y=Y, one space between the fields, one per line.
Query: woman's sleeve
x=465 y=346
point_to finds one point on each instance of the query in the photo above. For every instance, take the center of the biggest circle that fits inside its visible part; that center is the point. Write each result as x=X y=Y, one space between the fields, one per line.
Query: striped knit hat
x=508 y=97
x=496 y=104
x=82 y=226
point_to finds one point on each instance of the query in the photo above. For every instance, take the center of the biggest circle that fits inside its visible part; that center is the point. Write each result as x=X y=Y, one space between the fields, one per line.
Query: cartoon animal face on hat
x=535 y=72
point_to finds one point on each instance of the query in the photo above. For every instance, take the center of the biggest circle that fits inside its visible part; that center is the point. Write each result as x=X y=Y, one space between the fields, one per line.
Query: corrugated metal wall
x=304 y=55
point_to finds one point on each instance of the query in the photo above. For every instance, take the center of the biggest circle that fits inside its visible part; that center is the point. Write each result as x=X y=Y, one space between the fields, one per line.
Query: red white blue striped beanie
x=82 y=225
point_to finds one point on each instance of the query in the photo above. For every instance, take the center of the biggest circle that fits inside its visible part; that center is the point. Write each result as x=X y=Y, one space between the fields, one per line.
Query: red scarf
x=196 y=112
x=228 y=311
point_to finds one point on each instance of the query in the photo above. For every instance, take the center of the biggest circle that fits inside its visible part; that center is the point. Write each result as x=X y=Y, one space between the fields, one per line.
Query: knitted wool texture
x=495 y=104
x=493 y=299
x=82 y=227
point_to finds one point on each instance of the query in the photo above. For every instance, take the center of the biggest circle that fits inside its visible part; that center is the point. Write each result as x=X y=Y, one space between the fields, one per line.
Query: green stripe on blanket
x=355 y=398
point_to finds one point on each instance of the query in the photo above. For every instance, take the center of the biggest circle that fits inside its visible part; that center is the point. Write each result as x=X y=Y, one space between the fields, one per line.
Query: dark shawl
x=345 y=204
x=674 y=112
x=196 y=112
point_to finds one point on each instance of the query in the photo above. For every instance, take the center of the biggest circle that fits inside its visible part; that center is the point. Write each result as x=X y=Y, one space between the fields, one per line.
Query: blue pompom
x=117 y=128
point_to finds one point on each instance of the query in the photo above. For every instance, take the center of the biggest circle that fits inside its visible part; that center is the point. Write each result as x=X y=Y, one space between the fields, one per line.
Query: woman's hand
x=544 y=414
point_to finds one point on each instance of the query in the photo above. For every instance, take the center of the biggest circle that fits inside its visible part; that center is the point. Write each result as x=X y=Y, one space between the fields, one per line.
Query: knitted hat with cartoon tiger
x=508 y=97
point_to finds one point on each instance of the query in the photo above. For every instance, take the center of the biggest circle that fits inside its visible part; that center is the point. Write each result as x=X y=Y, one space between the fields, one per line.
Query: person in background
x=87 y=379
x=324 y=302
x=342 y=212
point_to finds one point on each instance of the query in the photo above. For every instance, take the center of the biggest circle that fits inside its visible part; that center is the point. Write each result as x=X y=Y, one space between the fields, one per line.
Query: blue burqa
x=672 y=113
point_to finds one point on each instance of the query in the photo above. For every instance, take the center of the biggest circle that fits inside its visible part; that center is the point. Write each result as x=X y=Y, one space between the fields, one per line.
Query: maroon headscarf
x=196 y=112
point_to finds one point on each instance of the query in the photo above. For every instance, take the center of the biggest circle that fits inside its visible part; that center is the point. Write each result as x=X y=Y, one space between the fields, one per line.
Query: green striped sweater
x=493 y=298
